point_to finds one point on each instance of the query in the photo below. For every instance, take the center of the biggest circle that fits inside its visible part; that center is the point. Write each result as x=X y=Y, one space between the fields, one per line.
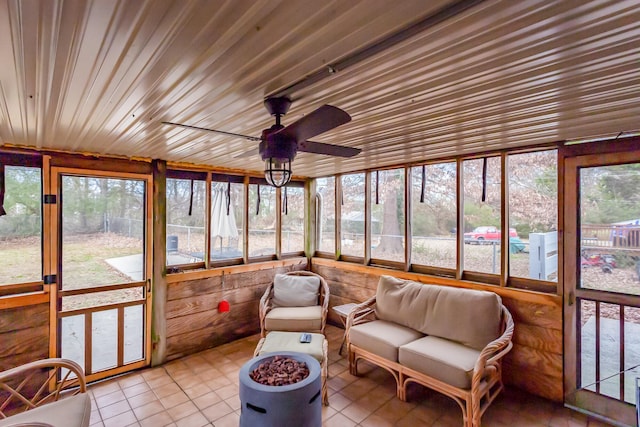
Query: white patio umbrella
x=223 y=221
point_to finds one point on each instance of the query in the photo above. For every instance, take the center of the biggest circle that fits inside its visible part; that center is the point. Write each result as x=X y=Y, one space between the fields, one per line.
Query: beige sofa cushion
x=295 y=291
x=382 y=338
x=470 y=317
x=441 y=359
x=72 y=411
x=294 y=319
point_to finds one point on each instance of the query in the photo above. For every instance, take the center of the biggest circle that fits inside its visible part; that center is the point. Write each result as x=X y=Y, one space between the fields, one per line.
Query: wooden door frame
x=53 y=262
x=574 y=158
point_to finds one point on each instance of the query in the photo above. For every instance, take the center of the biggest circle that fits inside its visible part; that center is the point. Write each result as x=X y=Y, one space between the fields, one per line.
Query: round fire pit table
x=298 y=404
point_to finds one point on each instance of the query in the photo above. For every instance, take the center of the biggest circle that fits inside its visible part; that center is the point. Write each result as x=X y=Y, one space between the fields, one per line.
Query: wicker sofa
x=449 y=339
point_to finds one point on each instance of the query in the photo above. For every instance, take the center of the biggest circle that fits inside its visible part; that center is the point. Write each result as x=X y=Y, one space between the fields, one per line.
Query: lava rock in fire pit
x=280 y=371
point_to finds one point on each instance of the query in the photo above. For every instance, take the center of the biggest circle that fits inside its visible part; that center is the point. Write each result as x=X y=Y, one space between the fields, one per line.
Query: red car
x=486 y=234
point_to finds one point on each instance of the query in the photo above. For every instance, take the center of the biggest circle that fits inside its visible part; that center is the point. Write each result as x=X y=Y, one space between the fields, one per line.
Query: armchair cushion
x=382 y=338
x=72 y=411
x=294 y=319
x=441 y=359
x=295 y=291
x=27 y=398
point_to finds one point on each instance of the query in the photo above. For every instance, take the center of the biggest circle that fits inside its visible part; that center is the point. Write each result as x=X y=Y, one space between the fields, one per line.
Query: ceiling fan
x=279 y=144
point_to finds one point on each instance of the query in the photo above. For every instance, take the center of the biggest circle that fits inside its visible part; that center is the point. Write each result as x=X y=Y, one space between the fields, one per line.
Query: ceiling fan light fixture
x=277 y=171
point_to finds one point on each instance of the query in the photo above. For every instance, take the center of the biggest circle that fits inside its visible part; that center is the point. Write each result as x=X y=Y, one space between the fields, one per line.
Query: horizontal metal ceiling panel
x=99 y=76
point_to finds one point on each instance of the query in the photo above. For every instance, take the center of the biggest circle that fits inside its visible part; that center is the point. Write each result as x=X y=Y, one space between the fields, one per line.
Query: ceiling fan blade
x=249 y=153
x=328 y=149
x=319 y=121
x=250 y=138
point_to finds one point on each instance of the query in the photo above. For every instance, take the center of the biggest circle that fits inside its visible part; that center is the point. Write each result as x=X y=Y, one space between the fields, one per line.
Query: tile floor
x=202 y=390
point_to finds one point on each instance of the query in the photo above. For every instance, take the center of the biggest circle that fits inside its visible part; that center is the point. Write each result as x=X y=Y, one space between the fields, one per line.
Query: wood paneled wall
x=194 y=323
x=535 y=362
x=193 y=320
x=24 y=335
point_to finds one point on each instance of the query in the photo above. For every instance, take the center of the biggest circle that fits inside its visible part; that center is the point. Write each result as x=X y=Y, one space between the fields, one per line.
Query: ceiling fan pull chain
x=258 y=202
x=191 y=199
x=228 y=196
x=424 y=174
x=484 y=179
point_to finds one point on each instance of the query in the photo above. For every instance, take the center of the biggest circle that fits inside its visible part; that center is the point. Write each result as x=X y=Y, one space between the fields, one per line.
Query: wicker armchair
x=294 y=319
x=44 y=392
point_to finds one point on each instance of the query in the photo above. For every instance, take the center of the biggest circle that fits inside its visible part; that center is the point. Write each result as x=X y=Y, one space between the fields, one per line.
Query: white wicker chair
x=266 y=306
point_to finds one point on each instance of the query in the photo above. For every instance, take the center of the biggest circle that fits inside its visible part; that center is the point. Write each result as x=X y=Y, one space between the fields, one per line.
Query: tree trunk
x=391 y=240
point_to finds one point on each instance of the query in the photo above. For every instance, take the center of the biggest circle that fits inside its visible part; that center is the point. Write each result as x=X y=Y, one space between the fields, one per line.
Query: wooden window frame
x=503 y=279
x=211 y=177
x=35 y=288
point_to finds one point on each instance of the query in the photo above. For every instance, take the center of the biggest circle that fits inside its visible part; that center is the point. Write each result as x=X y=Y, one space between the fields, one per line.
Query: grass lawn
x=21 y=261
x=84 y=259
x=83 y=265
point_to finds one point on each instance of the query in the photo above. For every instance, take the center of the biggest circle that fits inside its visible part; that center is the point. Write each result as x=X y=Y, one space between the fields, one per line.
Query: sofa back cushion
x=467 y=316
x=295 y=291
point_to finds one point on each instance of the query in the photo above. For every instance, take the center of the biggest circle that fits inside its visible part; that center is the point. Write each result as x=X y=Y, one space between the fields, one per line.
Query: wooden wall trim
x=158 y=332
x=100 y=163
x=628 y=144
x=233 y=269
x=519 y=294
x=23 y=300
x=505 y=218
x=311 y=224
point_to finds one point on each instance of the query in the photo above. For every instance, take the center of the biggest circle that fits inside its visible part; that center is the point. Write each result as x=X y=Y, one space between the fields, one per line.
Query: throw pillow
x=295 y=291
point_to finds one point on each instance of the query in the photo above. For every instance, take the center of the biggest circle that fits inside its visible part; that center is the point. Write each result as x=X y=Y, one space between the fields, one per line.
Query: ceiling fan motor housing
x=277 y=146
x=278 y=106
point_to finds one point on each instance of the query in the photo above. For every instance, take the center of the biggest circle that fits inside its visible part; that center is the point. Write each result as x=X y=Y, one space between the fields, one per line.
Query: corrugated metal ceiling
x=99 y=76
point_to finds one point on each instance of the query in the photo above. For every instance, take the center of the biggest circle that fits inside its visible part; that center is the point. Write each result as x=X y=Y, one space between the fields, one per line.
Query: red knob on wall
x=223 y=306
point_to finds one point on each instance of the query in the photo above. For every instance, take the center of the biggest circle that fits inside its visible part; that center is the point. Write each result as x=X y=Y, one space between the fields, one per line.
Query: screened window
x=387 y=215
x=186 y=204
x=609 y=212
x=326 y=217
x=292 y=234
x=262 y=219
x=533 y=214
x=482 y=215
x=21 y=226
x=227 y=201
x=353 y=215
x=433 y=216
x=102 y=230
